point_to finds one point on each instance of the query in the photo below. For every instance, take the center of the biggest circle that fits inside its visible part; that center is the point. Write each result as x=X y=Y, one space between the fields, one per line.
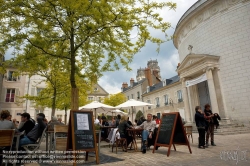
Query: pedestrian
x=210 y=125
x=200 y=124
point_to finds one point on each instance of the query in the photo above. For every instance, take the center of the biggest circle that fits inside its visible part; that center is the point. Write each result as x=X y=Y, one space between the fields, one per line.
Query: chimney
x=156 y=73
x=132 y=82
x=124 y=85
x=148 y=76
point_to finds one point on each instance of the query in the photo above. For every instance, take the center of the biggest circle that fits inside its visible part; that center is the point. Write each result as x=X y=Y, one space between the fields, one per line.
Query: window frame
x=157 y=101
x=166 y=101
x=10 y=97
x=179 y=96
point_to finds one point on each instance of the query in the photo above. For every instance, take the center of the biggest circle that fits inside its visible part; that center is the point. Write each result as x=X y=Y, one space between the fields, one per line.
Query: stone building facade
x=166 y=97
x=13 y=87
x=213 y=39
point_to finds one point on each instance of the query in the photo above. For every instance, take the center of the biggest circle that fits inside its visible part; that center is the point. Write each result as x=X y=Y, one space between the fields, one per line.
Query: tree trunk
x=65 y=116
x=74 y=89
x=74 y=99
x=53 y=103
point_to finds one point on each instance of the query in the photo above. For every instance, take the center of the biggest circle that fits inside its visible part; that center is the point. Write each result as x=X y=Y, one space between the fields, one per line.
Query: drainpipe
x=26 y=107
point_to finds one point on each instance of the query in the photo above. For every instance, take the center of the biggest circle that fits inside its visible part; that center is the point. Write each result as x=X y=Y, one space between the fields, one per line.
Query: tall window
x=11 y=77
x=128 y=97
x=38 y=90
x=148 y=101
x=138 y=95
x=10 y=95
x=90 y=98
x=100 y=99
x=132 y=96
x=157 y=101
x=179 y=95
x=39 y=111
x=166 y=99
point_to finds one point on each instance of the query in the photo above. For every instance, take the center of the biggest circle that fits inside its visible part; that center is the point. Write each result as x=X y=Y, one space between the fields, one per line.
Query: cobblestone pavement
x=230 y=150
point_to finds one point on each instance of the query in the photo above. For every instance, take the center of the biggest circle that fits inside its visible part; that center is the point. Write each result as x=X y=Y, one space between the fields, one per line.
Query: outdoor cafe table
x=133 y=133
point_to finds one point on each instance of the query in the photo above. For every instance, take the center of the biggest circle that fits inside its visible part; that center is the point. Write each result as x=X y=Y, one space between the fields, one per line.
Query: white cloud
x=168 y=57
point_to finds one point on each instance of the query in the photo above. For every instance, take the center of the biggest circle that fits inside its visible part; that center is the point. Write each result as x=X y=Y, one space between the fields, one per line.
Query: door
x=203 y=94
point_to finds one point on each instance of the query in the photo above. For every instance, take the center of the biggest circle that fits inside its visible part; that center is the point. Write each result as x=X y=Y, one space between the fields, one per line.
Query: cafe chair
x=120 y=141
x=6 y=140
x=31 y=148
x=189 y=130
x=60 y=137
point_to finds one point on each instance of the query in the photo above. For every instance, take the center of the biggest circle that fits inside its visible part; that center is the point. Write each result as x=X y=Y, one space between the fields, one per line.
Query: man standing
x=148 y=129
x=26 y=124
x=210 y=125
x=35 y=133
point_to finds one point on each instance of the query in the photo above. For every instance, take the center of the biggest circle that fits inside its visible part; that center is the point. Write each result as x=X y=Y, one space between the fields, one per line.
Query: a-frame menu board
x=81 y=133
x=171 y=132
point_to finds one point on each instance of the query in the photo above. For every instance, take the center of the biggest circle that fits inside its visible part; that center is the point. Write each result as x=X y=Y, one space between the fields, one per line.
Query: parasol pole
x=95 y=113
x=132 y=113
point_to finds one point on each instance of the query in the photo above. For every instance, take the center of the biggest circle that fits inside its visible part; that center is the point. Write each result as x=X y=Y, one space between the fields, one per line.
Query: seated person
x=113 y=122
x=53 y=122
x=129 y=122
x=141 y=120
x=135 y=123
x=122 y=127
x=104 y=131
x=5 y=123
x=35 y=133
x=60 y=121
x=117 y=121
x=26 y=124
x=148 y=129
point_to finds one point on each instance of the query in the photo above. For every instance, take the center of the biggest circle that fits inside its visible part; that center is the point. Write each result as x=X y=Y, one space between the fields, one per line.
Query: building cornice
x=200 y=12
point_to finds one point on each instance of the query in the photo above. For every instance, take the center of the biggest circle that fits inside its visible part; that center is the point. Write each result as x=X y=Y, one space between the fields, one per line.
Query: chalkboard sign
x=166 y=127
x=171 y=132
x=81 y=133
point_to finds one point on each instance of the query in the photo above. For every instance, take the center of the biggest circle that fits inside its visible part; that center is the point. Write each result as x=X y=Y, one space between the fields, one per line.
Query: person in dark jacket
x=200 y=124
x=141 y=120
x=122 y=127
x=210 y=122
x=117 y=121
x=35 y=133
x=27 y=123
x=216 y=120
x=129 y=122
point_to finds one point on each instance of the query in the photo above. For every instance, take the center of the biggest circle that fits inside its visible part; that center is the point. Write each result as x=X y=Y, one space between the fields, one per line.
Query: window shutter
x=17 y=93
x=3 y=94
x=33 y=91
x=175 y=97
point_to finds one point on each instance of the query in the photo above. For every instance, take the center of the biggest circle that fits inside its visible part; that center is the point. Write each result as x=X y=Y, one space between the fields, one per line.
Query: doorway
x=203 y=92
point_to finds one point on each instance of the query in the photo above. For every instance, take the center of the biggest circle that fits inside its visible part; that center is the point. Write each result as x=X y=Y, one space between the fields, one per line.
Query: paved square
x=230 y=150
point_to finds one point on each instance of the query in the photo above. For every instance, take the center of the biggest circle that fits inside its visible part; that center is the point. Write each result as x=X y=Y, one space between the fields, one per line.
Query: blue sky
x=168 y=57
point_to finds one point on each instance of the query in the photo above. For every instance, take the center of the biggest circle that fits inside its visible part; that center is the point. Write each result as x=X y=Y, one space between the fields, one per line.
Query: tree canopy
x=115 y=99
x=91 y=36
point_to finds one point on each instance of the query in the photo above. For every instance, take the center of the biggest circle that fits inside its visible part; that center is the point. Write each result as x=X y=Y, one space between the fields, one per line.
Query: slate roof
x=135 y=83
x=169 y=81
